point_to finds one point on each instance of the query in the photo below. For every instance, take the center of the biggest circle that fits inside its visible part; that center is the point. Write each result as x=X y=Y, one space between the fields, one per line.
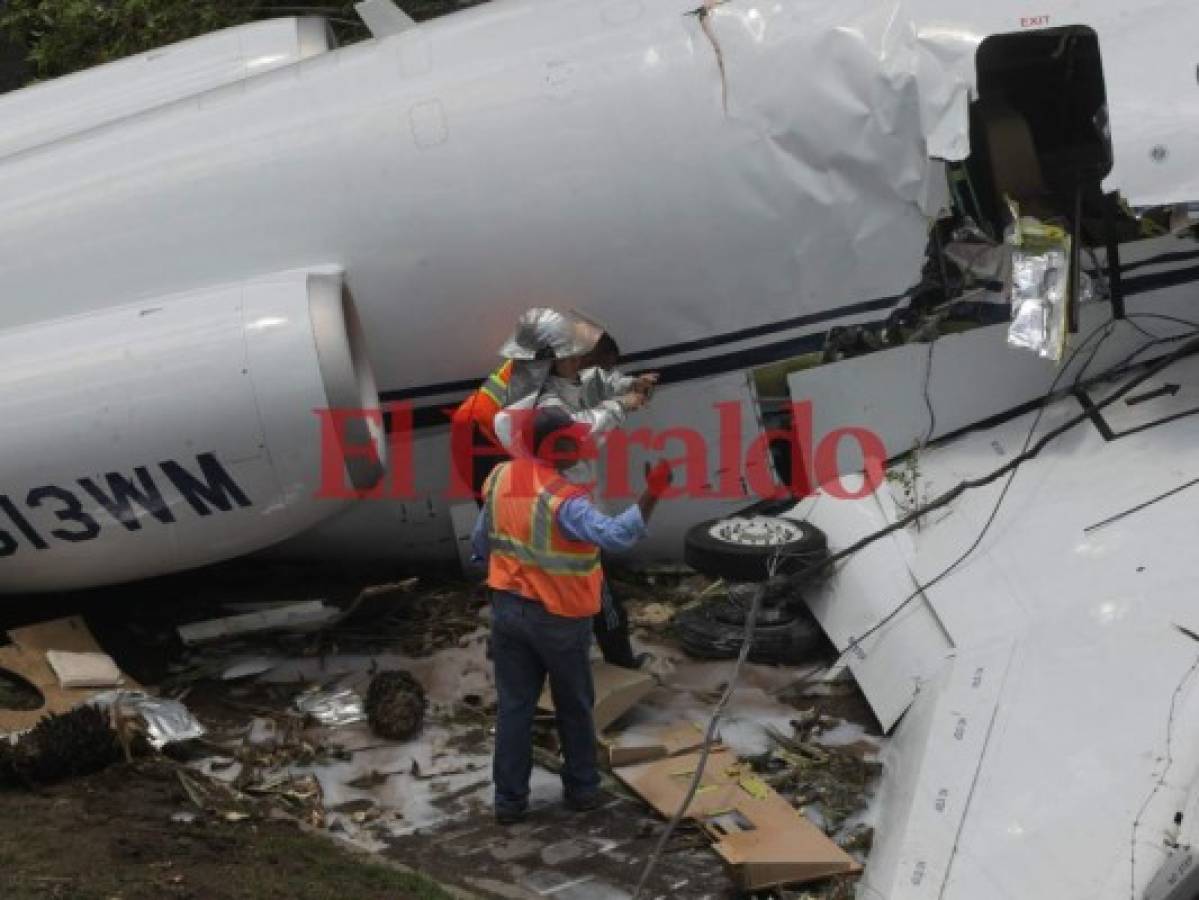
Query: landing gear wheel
x=754 y=547
x=715 y=630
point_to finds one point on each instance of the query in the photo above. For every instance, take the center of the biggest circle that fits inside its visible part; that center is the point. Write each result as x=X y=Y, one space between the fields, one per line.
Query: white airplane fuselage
x=588 y=155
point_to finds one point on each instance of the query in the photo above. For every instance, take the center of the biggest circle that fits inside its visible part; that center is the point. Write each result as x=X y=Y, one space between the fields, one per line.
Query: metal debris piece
x=164 y=721
x=331 y=708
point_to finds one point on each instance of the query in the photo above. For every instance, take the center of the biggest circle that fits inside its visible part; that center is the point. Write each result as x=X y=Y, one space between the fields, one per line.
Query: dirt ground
x=130 y=833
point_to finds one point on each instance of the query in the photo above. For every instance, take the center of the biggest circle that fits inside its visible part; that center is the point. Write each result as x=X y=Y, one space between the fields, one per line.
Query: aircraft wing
x=1051 y=743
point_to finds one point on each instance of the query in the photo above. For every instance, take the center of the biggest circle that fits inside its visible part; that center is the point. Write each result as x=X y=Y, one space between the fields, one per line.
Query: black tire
x=734 y=562
x=707 y=631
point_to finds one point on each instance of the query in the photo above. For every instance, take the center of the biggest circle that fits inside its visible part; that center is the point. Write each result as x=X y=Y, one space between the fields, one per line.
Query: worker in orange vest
x=541 y=335
x=541 y=536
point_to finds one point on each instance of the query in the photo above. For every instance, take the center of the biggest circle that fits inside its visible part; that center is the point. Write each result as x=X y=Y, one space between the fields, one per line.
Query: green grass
x=331 y=872
x=246 y=864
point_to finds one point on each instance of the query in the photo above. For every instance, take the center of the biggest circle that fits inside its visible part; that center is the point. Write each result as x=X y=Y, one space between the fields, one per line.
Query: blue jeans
x=527 y=644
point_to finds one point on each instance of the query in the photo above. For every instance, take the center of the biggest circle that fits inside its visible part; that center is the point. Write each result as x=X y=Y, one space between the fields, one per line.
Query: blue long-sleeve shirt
x=579 y=520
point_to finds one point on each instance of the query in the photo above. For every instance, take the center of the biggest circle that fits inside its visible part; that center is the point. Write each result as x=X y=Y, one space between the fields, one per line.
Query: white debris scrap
x=306 y=616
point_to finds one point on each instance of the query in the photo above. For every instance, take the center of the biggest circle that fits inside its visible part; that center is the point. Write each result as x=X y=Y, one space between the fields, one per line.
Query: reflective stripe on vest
x=496 y=384
x=530 y=555
x=480 y=408
x=539 y=552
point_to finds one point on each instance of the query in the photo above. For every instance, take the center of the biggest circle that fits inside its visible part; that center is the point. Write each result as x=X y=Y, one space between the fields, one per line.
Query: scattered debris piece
x=371 y=780
x=300 y=795
x=263 y=732
x=161 y=720
x=859 y=840
x=331 y=708
x=395 y=705
x=755 y=830
x=834 y=780
x=248 y=668
x=352 y=807
x=309 y=615
x=617 y=691
x=214 y=796
x=60 y=746
x=650 y=743
x=375 y=604
x=84 y=670
x=651 y=616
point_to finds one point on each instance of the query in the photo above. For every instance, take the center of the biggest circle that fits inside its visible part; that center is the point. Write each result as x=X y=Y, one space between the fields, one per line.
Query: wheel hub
x=756 y=531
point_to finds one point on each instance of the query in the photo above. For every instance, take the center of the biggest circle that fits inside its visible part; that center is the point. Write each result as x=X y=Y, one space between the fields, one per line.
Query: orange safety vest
x=529 y=554
x=481 y=406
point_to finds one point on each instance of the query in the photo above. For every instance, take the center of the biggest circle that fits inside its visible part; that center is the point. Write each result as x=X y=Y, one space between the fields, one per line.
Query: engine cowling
x=177 y=432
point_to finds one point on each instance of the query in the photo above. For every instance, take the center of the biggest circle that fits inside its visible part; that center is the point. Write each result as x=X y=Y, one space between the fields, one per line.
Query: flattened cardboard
x=759 y=835
x=617 y=691
x=26 y=656
x=649 y=743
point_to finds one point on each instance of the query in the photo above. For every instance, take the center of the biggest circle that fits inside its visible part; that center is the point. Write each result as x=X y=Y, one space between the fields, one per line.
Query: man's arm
x=610 y=384
x=604 y=384
x=580 y=520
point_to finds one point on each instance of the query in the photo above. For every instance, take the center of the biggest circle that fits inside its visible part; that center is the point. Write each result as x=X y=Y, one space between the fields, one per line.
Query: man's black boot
x=586 y=802
x=508 y=816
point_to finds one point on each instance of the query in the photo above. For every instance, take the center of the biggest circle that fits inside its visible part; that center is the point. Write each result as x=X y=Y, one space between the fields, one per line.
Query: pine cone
x=395 y=705
x=79 y=742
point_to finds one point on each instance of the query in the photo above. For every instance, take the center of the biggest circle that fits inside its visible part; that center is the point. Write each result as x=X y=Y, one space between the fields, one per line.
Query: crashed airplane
x=208 y=245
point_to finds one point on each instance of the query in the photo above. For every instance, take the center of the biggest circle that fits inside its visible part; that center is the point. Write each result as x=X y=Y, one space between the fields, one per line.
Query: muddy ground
x=130 y=832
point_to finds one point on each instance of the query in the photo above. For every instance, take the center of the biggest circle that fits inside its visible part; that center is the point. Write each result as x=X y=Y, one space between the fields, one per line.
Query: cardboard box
x=617 y=691
x=645 y=744
x=761 y=837
x=26 y=657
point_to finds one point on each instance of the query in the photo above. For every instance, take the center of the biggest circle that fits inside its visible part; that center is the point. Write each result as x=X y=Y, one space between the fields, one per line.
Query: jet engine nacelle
x=179 y=431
